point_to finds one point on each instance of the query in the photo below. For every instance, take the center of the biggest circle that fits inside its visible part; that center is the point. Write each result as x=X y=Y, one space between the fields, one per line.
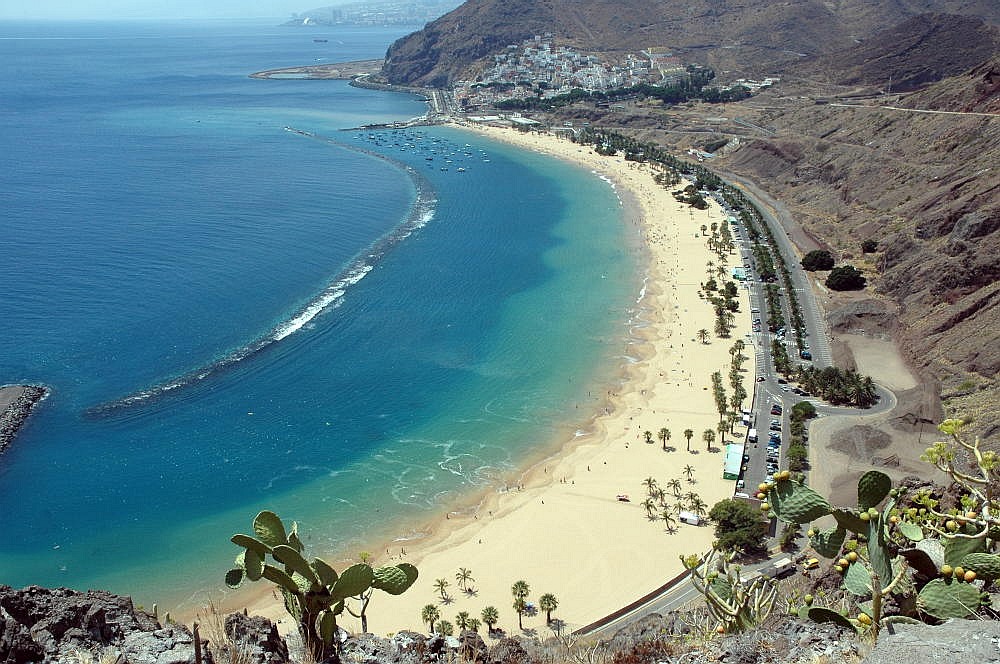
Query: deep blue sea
x=239 y=305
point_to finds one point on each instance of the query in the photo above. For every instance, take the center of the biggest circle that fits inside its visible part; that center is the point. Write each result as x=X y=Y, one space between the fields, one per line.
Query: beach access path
x=559 y=526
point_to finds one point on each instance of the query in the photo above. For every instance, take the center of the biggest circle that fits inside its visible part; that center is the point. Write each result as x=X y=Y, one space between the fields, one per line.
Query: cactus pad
x=251 y=543
x=253 y=564
x=393 y=580
x=858 y=581
x=821 y=615
x=327 y=575
x=957 y=547
x=353 y=581
x=878 y=554
x=934 y=550
x=850 y=521
x=796 y=503
x=277 y=576
x=919 y=561
x=294 y=561
x=828 y=542
x=269 y=528
x=985 y=565
x=234 y=577
x=911 y=531
x=872 y=488
x=948 y=599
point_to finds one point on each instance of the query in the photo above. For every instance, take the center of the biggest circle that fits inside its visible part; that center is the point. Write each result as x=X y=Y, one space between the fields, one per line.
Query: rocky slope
x=752 y=37
x=908 y=56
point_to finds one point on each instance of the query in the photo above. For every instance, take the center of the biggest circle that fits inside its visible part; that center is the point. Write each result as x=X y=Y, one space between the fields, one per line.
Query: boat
x=321 y=41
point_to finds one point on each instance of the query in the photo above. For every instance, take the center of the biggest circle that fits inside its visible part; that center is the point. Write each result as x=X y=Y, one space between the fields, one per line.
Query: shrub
x=818 y=259
x=845 y=277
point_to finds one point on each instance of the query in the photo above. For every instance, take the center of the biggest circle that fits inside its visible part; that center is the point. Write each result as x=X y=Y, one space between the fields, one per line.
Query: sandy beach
x=562 y=528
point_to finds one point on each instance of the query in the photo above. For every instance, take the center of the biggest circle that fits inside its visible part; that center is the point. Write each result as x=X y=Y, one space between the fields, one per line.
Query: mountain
x=741 y=35
x=976 y=91
x=907 y=56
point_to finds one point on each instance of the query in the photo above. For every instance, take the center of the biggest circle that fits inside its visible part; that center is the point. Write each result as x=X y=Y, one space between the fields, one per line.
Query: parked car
x=776 y=409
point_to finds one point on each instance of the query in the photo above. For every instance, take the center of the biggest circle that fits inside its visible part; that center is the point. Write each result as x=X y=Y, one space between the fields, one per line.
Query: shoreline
x=16 y=404
x=553 y=529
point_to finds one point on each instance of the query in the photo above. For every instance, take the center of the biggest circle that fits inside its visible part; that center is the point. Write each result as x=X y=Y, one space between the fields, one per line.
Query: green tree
x=817 y=259
x=472 y=624
x=648 y=436
x=738 y=526
x=845 y=277
x=429 y=614
x=709 y=437
x=548 y=603
x=490 y=617
x=675 y=486
x=520 y=591
x=650 y=484
x=441 y=585
x=689 y=471
x=464 y=577
x=688 y=434
x=462 y=620
x=649 y=505
x=664 y=436
x=703 y=335
x=445 y=628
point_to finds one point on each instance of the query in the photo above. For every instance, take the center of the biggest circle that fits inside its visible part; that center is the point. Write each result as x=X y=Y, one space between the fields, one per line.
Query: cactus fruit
x=985 y=565
x=944 y=599
x=873 y=487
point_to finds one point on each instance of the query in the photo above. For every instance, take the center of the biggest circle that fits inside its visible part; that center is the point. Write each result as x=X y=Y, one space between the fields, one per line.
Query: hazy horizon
x=158 y=9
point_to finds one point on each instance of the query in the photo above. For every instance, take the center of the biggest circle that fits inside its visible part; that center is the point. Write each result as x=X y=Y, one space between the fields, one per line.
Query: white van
x=752 y=436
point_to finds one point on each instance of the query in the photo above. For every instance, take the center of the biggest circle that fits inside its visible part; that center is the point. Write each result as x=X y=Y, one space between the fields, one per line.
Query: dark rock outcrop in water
x=58 y=625
x=18 y=411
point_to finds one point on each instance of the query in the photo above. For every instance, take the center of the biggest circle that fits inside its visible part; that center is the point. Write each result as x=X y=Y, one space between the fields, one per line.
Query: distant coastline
x=16 y=403
x=332 y=71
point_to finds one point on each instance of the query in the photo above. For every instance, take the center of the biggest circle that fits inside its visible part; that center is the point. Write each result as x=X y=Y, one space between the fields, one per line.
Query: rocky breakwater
x=16 y=402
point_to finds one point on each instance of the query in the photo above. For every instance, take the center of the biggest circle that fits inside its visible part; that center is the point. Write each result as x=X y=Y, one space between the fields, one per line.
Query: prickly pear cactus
x=911 y=531
x=857 y=580
x=957 y=547
x=822 y=614
x=920 y=562
x=949 y=598
x=395 y=579
x=985 y=565
x=827 y=543
x=873 y=487
x=793 y=502
x=269 y=528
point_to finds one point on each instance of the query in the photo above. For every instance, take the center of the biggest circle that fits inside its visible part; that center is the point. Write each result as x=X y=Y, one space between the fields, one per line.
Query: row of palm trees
x=489 y=616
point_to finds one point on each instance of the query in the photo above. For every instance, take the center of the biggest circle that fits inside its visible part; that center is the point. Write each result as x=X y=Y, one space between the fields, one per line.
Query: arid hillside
x=926 y=187
x=740 y=35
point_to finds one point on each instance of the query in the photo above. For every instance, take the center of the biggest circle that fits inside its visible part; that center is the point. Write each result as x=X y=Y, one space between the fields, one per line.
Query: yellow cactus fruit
x=947 y=571
x=969 y=576
x=852 y=556
x=959 y=572
x=864 y=619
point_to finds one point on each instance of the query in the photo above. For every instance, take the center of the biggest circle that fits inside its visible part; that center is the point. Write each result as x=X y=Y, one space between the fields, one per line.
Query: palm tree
x=462 y=620
x=650 y=506
x=722 y=429
x=669 y=519
x=703 y=229
x=520 y=589
x=429 y=615
x=648 y=436
x=464 y=576
x=689 y=434
x=703 y=335
x=650 y=484
x=689 y=471
x=441 y=586
x=690 y=497
x=664 y=436
x=548 y=603
x=490 y=616
x=675 y=486
x=472 y=624
x=698 y=506
x=709 y=438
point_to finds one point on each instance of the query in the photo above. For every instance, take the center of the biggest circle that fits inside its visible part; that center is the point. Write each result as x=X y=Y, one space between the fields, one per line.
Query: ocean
x=239 y=303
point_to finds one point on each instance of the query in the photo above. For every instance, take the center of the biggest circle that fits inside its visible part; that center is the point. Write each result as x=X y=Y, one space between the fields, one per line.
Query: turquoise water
x=239 y=305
